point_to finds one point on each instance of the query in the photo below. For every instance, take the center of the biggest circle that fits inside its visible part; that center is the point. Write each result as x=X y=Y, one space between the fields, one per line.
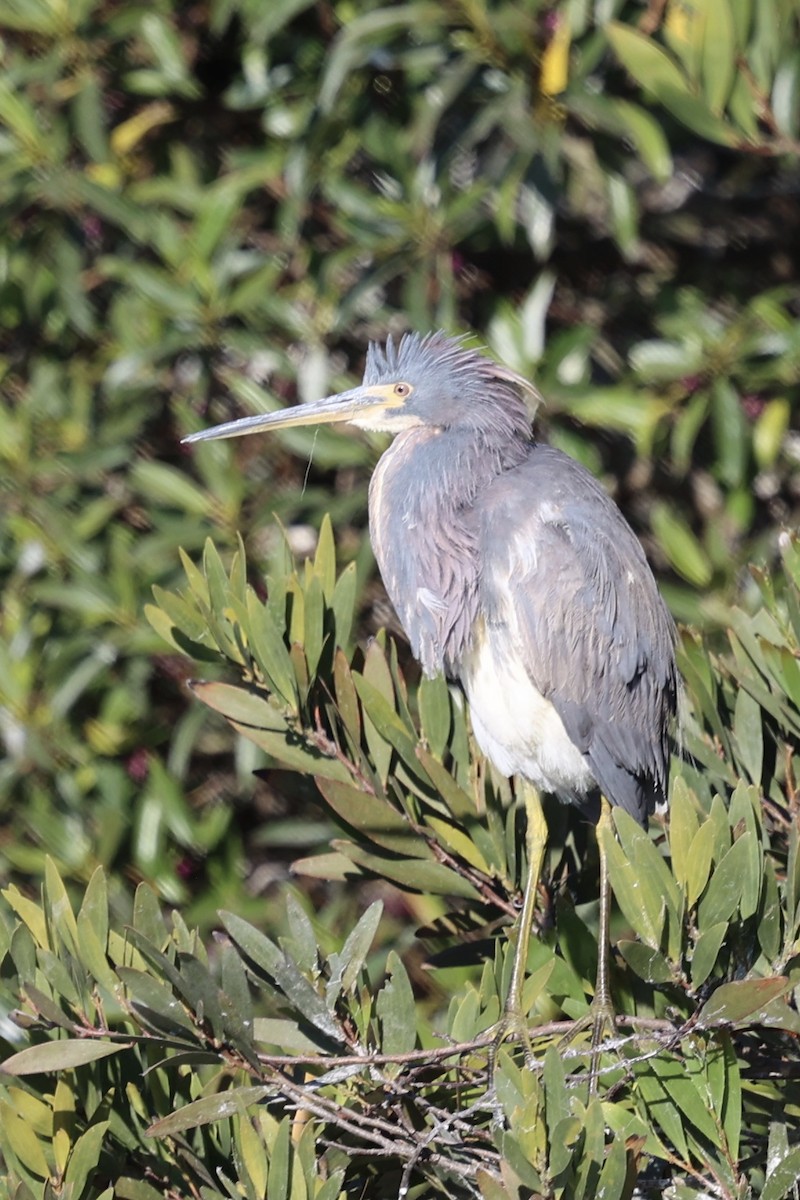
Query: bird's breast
x=425 y=546
x=516 y=727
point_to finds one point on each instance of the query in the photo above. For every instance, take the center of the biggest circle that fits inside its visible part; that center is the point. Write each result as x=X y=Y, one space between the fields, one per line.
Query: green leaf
x=85 y=1156
x=783 y=1175
x=683 y=1090
x=433 y=698
x=706 y=950
x=649 y=964
x=347 y=698
x=301 y=944
x=742 y=1000
x=238 y=704
x=727 y=884
x=208 y=1109
x=650 y=66
x=658 y=884
x=274 y=1031
x=681 y=546
x=459 y=803
x=683 y=826
x=374 y=818
x=346 y=966
x=614 y=1175
x=719 y=54
x=554 y=1078
x=749 y=734
x=701 y=852
x=165 y=485
x=459 y=842
x=20 y=1137
x=396 y=1010
x=325 y=559
x=61 y=1055
x=268 y=962
x=647 y=136
x=269 y=649
x=412 y=874
x=387 y=725
x=643 y=907
x=29 y=913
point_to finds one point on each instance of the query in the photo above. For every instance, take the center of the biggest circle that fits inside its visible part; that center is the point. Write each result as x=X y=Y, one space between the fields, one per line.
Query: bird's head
x=432 y=381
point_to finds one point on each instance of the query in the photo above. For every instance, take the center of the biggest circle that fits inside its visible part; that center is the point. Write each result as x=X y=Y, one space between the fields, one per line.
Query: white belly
x=517 y=729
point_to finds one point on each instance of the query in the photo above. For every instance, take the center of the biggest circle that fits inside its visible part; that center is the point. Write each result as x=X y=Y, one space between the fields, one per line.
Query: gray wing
x=564 y=572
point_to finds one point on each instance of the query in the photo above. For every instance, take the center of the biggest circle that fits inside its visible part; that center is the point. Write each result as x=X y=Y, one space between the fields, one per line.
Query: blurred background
x=210 y=208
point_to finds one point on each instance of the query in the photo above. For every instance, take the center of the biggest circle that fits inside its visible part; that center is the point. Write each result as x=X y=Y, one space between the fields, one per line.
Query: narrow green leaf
x=287 y=748
x=61 y=1055
x=208 y=1109
x=374 y=818
x=683 y=826
x=29 y=913
x=554 y=1078
x=147 y=918
x=269 y=648
x=706 y=951
x=85 y=1157
x=412 y=874
x=681 y=546
x=649 y=964
x=347 y=698
x=727 y=884
x=719 y=54
x=459 y=803
x=742 y=1000
x=396 y=1010
x=783 y=1175
x=387 y=724
x=699 y=862
x=747 y=729
x=325 y=559
x=433 y=697
x=614 y=1175
x=22 y=1140
x=682 y=1088
x=301 y=944
x=314 y=620
x=643 y=908
x=240 y=705
x=349 y=962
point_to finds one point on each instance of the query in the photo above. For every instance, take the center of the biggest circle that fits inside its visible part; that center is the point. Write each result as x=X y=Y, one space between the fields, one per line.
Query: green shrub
x=308 y=1066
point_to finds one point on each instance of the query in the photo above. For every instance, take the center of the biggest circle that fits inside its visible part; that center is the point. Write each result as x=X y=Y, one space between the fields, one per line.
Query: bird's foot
x=512 y=1026
x=602 y=1020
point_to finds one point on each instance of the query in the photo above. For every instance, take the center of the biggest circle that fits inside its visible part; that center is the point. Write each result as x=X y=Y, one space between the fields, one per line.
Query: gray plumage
x=513 y=572
x=484 y=536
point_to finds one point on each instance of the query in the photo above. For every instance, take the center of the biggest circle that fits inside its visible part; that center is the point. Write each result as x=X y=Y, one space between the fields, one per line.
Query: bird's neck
x=425 y=540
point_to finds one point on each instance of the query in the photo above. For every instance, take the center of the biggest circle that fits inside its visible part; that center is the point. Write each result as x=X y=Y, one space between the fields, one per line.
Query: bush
x=308 y=1066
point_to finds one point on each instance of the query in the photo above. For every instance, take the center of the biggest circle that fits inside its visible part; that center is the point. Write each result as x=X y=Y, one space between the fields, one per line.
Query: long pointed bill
x=361 y=404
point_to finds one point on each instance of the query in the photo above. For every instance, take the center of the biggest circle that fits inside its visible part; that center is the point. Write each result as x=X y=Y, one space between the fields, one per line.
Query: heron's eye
x=401 y=389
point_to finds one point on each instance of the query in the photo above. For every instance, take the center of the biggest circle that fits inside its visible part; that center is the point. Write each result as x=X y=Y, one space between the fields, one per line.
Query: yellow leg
x=514 y=1020
x=535 y=843
x=602 y=1013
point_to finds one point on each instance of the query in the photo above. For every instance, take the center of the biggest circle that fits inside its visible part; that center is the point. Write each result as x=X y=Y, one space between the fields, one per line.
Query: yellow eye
x=401 y=389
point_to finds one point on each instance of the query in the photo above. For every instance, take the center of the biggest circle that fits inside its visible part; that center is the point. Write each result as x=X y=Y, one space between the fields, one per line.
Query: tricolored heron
x=513 y=572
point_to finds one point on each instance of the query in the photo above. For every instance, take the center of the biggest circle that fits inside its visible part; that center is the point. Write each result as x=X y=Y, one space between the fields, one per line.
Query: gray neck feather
x=425 y=540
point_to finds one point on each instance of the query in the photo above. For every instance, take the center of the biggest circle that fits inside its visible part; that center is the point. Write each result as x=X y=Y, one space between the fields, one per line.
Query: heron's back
x=568 y=598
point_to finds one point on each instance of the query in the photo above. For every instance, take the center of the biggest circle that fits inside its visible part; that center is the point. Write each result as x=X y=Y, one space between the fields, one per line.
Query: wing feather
x=566 y=577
